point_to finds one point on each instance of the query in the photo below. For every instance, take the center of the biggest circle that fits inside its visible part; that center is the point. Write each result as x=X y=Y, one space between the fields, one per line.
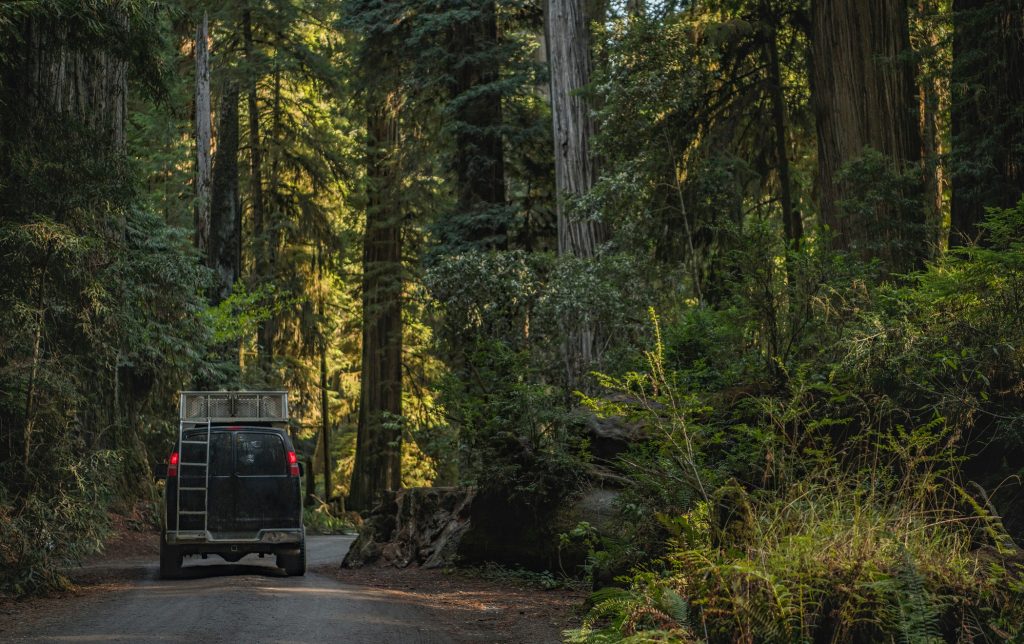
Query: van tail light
x=172 y=465
x=293 y=464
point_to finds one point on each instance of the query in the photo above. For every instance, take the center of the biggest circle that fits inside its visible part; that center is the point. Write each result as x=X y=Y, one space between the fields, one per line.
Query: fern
x=918 y=612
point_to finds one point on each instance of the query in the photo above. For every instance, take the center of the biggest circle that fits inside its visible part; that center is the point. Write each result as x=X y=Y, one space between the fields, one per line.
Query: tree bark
x=226 y=212
x=864 y=97
x=204 y=126
x=987 y=111
x=261 y=245
x=792 y=224
x=61 y=77
x=378 y=437
x=930 y=95
x=271 y=229
x=568 y=41
x=325 y=427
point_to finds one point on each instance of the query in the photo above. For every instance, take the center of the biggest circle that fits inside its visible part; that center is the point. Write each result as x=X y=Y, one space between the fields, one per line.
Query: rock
x=589 y=521
x=611 y=435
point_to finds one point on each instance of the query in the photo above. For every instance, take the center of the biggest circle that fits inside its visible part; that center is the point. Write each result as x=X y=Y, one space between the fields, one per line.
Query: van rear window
x=220 y=452
x=258 y=454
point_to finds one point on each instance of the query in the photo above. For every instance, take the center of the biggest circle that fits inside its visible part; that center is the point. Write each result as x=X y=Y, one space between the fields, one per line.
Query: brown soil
x=130 y=537
x=477 y=609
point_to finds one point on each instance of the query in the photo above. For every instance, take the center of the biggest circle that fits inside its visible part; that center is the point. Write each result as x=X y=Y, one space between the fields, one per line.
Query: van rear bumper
x=265 y=537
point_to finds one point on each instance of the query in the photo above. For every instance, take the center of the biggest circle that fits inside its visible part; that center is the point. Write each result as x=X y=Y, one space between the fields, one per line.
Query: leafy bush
x=515 y=434
x=43 y=534
x=838 y=558
x=320 y=519
x=505 y=314
x=830 y=497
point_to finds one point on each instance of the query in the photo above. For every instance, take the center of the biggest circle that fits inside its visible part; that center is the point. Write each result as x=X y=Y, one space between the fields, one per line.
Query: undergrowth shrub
x=515 y=435
x=43 y=534
x=320 y=519
x=829 y=462
x=838 y=556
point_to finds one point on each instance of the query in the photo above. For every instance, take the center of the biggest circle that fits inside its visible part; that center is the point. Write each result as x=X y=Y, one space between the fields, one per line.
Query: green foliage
x=59 y=524
x=504 y=316
x=833 y=555
x=100 y=319
x=686 y=138
x=872 y=183
x=320 y=519
x=515 y=434
x=239 y=315
x=846 y=518
x=543 y=580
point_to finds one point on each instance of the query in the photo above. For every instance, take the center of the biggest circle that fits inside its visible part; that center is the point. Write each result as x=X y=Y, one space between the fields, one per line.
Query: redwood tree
x=378 y=459
x=863 y=89
x=568 y=43
x=204 y=129
x=987 y=111
x=226 y=210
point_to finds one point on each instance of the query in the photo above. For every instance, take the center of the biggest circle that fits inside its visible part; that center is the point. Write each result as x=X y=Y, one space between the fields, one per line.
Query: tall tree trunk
x=325 y=426
x=59 y=80
x=479 y=156
x=378 y=437
x=226 y=212
x=864 y=97
x=930 y=98
x=261 y=245
x=271 y=230
x=203 y=135
x=63 y=78
x=987 y=111
x=568 y=41
x=792 y=224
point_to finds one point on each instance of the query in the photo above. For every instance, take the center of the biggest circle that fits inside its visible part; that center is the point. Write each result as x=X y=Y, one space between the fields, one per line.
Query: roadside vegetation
x=849 y=498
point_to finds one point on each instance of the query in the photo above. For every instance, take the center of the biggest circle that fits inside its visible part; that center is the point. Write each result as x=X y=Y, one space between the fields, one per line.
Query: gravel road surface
x=248 y=601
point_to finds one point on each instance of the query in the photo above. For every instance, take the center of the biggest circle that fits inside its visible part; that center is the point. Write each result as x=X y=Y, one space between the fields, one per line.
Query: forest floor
x=118 y=596
x=478 y=608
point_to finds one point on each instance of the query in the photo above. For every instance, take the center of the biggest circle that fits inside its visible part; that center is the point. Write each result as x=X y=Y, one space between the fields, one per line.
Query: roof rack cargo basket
x=234 y=406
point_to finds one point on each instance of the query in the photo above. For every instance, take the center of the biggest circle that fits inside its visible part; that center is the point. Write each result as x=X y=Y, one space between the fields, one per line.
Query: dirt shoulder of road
x=130 y=546
x=477 y=609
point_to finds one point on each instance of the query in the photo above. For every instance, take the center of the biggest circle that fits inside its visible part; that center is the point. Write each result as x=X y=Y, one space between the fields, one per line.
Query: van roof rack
x=234 y=406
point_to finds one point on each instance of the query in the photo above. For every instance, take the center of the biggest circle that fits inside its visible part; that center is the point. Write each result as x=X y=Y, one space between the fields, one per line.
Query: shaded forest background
x=779 y=240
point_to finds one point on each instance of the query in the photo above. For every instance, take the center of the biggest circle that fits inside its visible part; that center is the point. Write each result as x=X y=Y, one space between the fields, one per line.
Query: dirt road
x=250 y=601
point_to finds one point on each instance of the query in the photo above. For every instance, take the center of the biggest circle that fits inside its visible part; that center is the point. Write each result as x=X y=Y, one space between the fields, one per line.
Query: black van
x=232 y=490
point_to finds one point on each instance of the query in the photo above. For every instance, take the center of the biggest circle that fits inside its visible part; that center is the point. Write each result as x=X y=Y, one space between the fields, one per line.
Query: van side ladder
x=195 y=462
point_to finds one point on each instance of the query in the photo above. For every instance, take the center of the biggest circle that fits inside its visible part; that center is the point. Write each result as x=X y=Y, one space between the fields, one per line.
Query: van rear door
x=222 y=482
x=219 y=503
x=266 y=495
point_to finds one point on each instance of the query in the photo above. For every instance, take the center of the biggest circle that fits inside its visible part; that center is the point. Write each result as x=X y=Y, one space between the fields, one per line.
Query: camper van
x=232 y=482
